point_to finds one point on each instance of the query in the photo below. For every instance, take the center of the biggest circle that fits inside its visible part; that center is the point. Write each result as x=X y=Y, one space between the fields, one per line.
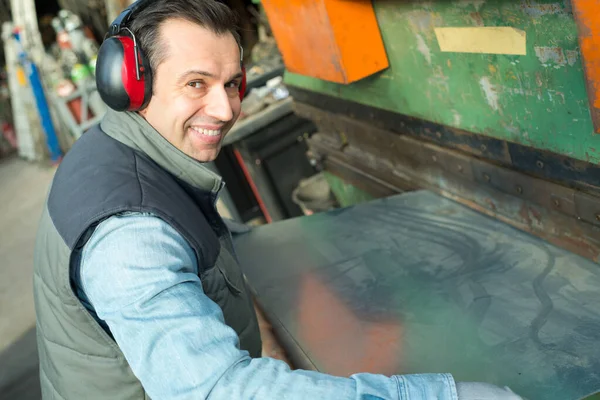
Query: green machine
x=494 y=105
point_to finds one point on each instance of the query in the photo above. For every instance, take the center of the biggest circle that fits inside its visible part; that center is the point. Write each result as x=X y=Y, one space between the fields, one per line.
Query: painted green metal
x=538 y=100
x=345 y=193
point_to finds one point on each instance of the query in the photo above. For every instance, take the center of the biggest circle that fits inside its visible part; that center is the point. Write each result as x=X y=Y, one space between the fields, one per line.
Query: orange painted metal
x=587 y=14
x=333 y=40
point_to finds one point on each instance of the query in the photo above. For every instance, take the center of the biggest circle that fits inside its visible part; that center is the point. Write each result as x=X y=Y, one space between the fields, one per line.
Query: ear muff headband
x=123 y=74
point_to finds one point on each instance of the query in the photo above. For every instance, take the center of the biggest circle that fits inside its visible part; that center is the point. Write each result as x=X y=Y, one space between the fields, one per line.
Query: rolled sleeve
x=427 y=386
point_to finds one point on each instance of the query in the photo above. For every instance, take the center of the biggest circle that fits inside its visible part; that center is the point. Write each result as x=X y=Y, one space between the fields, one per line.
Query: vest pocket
x=235 y=290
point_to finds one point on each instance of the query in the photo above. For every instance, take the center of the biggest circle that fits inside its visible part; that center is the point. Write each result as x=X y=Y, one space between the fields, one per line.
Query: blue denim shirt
x=139 y=278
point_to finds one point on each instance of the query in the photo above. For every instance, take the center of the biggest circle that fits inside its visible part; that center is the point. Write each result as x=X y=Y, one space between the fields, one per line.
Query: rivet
x=460 y=168
x=519 y=189
x=557 y=203
x=483 y=147
x=258 y=161
x=439 y=135
x=434 y=158
x=539 y=164
x=486 y=177
x=598 y=217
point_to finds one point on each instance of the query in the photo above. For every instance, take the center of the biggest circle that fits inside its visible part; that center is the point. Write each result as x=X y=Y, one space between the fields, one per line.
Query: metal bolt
x=434 y=158
x=483 y=147
x=258 y=161
x=460 y=168
x=539 y=164
x=486 y=177
x=598 y=217
x=439 y=135
x=519 y=189
x=557 y=203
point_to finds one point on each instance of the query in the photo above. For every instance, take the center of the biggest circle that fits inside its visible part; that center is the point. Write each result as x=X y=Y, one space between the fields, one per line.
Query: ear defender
x=123 y=74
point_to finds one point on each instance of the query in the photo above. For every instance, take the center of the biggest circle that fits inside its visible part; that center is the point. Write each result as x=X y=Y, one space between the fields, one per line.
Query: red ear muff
x=243 y=85
x=117 y=75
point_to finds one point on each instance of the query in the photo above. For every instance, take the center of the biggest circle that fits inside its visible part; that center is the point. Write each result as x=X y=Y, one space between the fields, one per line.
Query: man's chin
x=205 y=155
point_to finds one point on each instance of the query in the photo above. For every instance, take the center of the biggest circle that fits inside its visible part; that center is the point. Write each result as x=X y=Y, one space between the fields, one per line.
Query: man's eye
x=196 y=84
x=233 y=85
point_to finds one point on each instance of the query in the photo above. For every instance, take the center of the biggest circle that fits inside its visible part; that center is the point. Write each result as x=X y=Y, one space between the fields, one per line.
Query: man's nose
x=218 y=105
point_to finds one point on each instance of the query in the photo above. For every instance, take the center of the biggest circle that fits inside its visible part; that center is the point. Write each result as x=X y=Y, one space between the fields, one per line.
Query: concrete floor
x=23 y=188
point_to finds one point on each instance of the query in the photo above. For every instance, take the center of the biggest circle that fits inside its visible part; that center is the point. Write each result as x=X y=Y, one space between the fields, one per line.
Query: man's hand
x=270 y=346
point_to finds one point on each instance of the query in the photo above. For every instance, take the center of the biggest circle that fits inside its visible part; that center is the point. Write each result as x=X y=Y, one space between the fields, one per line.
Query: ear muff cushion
x=116 y=75
x=108 y=75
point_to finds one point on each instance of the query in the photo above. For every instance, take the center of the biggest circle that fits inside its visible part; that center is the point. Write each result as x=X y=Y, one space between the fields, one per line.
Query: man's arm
x=140 y=276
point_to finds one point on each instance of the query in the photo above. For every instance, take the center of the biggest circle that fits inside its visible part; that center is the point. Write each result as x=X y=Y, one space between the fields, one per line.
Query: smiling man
x=137 y=289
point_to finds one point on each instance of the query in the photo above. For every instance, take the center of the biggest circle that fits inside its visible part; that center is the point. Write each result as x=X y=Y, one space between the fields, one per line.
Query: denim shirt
x=138 y=277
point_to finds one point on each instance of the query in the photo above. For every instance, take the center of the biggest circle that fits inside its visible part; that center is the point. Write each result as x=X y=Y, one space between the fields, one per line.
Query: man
x=137 y=290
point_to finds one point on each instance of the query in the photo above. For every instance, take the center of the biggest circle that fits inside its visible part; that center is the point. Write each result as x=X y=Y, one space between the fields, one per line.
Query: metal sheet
x=418 y=283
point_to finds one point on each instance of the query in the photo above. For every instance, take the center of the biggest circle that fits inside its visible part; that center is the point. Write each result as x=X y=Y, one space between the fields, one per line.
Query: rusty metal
x=362 y=179
x=558 y=168
x=587 y=16
x=562 y=215
x=588 y=208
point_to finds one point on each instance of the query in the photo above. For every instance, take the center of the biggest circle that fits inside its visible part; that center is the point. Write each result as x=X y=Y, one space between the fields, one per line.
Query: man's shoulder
x=97 y=178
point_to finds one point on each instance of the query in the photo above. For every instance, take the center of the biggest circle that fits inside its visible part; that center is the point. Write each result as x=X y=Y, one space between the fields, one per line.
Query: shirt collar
x=134 y=131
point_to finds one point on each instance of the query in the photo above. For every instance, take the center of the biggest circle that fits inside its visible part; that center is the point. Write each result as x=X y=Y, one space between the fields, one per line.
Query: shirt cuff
x=427 y=386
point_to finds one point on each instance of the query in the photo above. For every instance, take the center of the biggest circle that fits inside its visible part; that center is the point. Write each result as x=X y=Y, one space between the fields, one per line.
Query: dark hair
x=210 y=14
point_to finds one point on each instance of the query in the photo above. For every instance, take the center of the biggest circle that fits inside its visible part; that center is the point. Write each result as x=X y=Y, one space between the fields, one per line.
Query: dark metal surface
x=562 y=215
x=263 y=184
x=275 y=157
x=555 y=167
x=418 y=283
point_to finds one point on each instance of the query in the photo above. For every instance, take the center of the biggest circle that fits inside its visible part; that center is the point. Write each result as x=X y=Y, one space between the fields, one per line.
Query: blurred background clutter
x=49 y=99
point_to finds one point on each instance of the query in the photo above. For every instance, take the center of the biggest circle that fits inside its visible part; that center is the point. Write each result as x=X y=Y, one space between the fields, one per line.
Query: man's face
x=196 y=96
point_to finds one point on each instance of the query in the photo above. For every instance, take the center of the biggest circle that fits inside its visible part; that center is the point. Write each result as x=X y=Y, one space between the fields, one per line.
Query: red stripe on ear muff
x=135 y=88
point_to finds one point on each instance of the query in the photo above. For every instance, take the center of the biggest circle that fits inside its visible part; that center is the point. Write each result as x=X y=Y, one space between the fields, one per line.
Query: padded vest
x=101 y=177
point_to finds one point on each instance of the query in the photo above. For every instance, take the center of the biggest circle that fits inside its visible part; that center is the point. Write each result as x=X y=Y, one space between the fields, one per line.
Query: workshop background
x=491 y=106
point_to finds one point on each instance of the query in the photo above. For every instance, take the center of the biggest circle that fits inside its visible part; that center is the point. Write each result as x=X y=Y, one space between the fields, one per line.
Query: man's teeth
x=208 y=132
